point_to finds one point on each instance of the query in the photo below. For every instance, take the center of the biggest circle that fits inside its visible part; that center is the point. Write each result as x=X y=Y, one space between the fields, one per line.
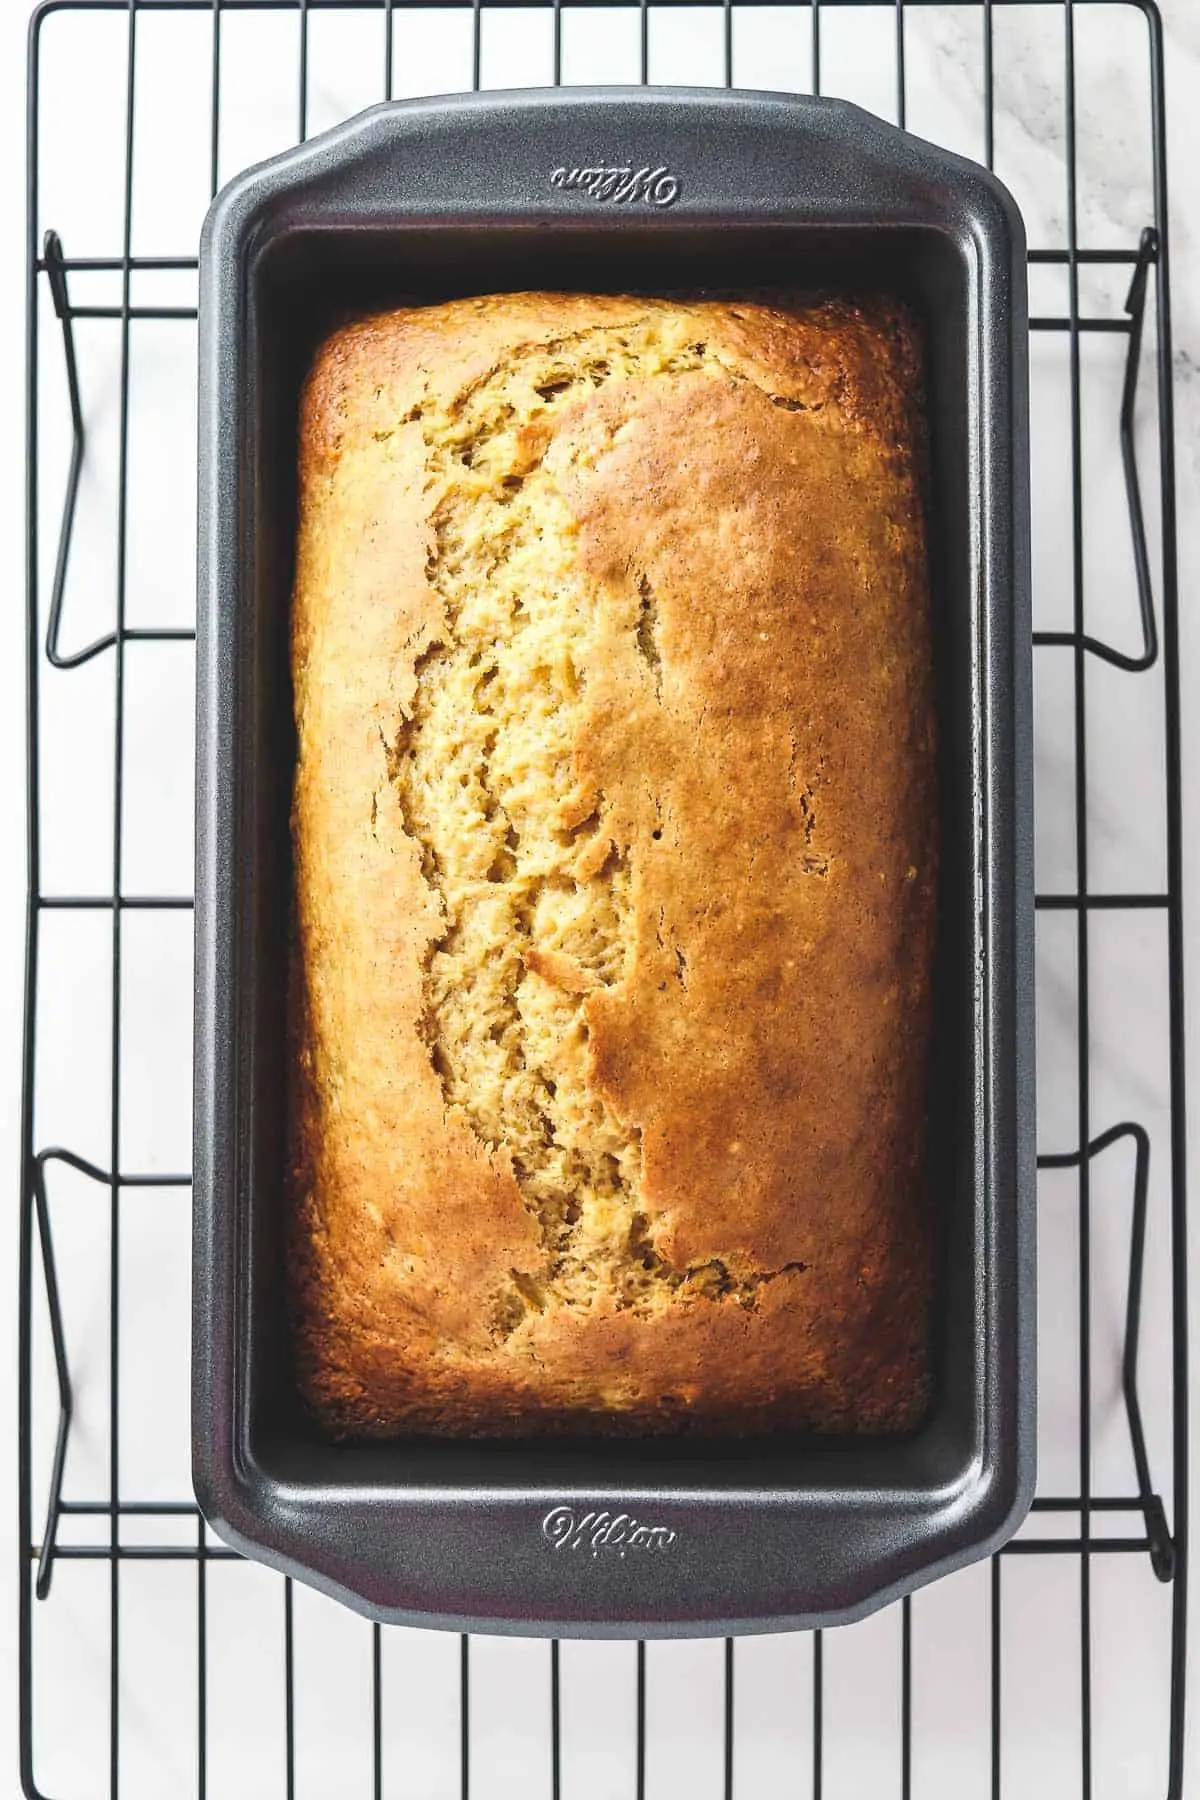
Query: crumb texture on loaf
x=587 y=701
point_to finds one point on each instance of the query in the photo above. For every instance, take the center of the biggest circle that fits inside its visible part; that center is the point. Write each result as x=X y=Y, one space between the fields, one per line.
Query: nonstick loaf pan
x=587 y=190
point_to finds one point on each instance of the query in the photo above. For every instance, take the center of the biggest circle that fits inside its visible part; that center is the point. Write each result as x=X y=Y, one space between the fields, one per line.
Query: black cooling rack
x=1143 y=1522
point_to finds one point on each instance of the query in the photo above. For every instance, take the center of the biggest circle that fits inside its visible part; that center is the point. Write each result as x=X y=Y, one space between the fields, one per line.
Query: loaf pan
x=648 y=189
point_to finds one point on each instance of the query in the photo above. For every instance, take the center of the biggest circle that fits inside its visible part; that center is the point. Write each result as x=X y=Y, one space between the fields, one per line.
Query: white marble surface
x=81 y=197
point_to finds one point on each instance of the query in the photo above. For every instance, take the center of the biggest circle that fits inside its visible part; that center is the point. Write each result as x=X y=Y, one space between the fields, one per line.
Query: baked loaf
x=614 y=827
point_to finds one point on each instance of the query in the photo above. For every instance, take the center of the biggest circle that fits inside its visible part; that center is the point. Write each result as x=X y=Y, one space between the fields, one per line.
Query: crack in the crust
x=711 y=1276
x=529 y=1094
x=812 y=862
x=690 y=359
x=535 y=909
x=647 y=632
x=500 y=870
x=808 y=811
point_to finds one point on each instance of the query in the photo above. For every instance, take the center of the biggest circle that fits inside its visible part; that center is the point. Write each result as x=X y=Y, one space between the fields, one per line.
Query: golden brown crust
x=762 y=770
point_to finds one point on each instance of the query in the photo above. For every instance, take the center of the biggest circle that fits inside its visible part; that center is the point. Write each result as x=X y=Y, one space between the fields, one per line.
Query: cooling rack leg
x=1158 y=1538
x=1135 y=306
x=1162 y=1550
x=56 y=272
x=45 y=1564
x=54 y=264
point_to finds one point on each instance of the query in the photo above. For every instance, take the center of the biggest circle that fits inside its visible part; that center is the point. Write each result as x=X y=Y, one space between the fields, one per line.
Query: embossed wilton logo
x=627 y=185
x=601 y=1531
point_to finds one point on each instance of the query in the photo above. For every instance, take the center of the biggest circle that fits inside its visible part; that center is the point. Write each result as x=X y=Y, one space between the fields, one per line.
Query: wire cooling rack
x=152 y=1660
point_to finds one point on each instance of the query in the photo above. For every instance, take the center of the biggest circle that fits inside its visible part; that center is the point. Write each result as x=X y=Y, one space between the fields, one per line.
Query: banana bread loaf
x=614 y=826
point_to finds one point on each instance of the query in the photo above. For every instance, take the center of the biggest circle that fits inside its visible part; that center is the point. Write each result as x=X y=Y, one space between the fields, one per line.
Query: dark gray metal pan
x=616 y=189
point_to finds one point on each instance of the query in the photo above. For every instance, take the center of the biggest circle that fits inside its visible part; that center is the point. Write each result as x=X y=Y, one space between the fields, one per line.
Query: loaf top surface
x=614 y=828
